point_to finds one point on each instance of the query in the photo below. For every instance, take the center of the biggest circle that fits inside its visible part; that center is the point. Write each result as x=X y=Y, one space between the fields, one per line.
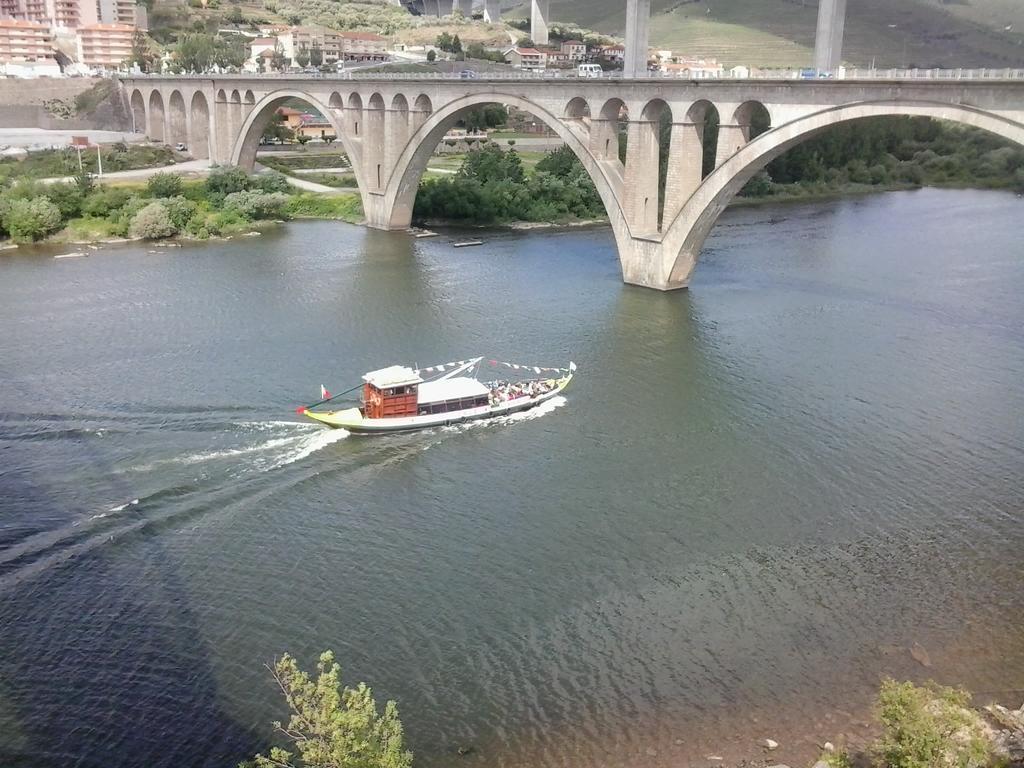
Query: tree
x=223 y=180
x=294 y=19
x=331 y=725
x=431 y=55
x=444 y=42
x=235 y=15
x=456 y=45
x=278 y=60
x=277 y=130
x=929 y=727
x=302 y=57
x=316 y=55
x=29 y=220
x=152 y=222
x=164 y=185
x=141 y=56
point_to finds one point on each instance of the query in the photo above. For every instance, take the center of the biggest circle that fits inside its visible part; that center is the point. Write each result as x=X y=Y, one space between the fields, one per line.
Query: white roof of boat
x=450 y=389
x=395 y=376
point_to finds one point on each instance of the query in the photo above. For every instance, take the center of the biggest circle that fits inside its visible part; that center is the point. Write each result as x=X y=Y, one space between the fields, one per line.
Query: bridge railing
x=809 y=75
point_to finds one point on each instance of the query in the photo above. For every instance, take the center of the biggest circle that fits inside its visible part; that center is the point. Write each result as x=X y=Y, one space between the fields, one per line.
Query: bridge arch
x=155 y=115
x=199 y=127
x=394 y=211
x=243 y=151
x=686 y=235
x=138 y=106
x=177 y=120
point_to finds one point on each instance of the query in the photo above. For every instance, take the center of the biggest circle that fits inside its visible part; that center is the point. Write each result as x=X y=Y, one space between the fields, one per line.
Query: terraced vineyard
x=924 y=33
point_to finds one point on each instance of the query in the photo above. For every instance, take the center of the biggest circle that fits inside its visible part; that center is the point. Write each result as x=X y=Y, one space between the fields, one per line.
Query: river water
x=757 y=499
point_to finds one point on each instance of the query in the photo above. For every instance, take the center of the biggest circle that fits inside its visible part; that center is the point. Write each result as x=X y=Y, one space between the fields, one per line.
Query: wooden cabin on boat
x=400 y=392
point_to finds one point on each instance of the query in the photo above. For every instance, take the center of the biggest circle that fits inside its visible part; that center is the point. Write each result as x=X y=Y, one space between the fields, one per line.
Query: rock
x=778 y=765
x=771 y=744
x=920 y=655
x=828 y=746
x=716 y=758
x=463 y=751
x=821 y=764
x=679 y=742
x=651 y=752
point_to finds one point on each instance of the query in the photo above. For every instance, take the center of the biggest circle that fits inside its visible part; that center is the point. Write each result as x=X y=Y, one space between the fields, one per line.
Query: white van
x=589 y=70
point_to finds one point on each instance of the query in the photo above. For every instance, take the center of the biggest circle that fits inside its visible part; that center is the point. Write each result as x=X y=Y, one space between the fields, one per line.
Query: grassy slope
x=774 y=32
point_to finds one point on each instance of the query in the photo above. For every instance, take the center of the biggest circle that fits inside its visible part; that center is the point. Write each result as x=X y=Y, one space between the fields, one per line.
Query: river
x=757 y=498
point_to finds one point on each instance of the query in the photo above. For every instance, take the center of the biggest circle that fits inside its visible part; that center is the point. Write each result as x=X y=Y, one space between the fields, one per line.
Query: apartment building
x=26 y=48
x=105 y=45
x=122 y=12
x=335 y=46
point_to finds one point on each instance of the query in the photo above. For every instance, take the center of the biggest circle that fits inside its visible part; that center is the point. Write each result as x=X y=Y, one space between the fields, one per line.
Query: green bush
x=104 y=201
x=271 y=181
x=152 y=222
x=28 y=220
x=67 y=197
x=164 y=185
x=257 y=205
x=180 y=211
x=929 y=727
x=342 y=207
x=222 y=181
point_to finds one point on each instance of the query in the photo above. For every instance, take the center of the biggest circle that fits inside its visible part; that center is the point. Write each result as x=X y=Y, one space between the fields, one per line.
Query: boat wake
x=537 y=412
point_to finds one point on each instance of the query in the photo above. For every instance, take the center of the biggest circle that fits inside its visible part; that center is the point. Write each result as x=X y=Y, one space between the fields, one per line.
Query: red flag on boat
x=324 y=394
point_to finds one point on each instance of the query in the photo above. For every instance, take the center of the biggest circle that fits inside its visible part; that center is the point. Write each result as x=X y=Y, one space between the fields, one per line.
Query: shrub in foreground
x=164 y=185
x=331 y=725
x=152 y=223
x=929 y=727
x=257 y=205
x=29 y=220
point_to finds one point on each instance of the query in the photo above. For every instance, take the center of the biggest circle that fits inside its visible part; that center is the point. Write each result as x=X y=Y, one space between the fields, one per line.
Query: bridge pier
x=492 y=11
x=540 y=13
x=466 y=7
x=638 y=23
x=828 y=42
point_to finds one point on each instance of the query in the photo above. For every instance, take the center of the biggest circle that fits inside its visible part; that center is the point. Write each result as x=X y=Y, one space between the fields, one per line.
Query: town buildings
x=334 y=46
x=105 y=46
x=26 y=48
x=526 y=58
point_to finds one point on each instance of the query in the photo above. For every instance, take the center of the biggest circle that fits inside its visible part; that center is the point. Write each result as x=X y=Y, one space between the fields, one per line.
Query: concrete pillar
x=397 y=124
x=444 y=7
x=540 y=15
x=222 y=132
x=234 y=124
x=492 y=11
x=732 y=135
x=828 y=43
x=466 y=6
x=604 y=138
x=374 y=154
x=685 y=161
x=641 y=188
x=638 y=32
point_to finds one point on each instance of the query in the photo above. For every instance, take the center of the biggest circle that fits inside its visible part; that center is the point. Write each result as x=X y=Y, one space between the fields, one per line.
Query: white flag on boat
x=324 y=394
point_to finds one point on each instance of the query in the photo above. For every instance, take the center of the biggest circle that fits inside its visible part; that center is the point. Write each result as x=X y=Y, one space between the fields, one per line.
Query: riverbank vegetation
x=331 y=724
x=492 y=186
x=892 y=153
x=227 y=202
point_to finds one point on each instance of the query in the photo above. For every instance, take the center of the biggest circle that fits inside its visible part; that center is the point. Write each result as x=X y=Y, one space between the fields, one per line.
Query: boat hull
x=352 y=419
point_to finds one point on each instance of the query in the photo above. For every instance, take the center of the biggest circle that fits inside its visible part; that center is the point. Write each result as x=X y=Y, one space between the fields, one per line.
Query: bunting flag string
x=442 y=367
x=534 y=368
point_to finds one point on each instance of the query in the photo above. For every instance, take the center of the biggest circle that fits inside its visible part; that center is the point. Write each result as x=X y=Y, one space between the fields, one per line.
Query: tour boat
x=400 y=398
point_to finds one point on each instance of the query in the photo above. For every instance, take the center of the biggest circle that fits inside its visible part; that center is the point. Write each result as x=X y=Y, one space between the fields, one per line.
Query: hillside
x=924 y=33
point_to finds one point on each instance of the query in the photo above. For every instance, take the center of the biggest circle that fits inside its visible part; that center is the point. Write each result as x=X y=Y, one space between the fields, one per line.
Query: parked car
x=467 y=74
x=589 y=70
x=180 y=147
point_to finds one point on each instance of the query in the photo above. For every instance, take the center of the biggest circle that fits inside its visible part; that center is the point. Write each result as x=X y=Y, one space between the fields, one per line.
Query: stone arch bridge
x=389 y=128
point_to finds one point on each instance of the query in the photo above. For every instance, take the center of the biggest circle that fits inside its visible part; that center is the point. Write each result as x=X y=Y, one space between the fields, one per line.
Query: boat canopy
x=395 y=376
x=451 y=389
